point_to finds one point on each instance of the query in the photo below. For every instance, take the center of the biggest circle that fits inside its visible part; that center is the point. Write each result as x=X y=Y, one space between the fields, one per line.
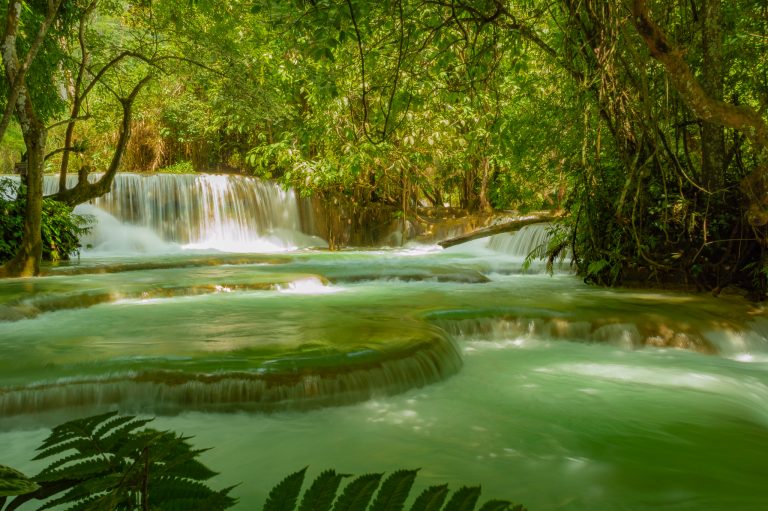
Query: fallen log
x=508 y=226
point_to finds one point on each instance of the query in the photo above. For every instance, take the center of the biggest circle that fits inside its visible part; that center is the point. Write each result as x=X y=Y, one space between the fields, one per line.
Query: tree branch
x=681 y=76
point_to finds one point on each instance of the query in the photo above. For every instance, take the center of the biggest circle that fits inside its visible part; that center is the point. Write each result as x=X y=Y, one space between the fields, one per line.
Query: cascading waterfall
x=200 y=211
x=521 y=243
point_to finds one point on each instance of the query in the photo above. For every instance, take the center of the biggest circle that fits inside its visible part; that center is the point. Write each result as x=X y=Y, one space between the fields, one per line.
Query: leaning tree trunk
x=85 y=190
x=710 y=109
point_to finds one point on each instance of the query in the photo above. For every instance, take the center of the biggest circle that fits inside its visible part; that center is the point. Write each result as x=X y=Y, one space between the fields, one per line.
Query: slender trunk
x=68 y=136
x=26 y=262
x=485 y=205
x=713 y=71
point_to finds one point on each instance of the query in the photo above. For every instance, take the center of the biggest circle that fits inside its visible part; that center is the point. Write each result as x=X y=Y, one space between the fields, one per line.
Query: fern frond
x=431 y=499
x=175 y=488
x=81 y=470
x=322 y=493
x=496 y=505
x=283 y=496
x=217 y=501
x=464 y=499
x=56 y=465
x=117 y=431
x=96 y=503
x=73 y=496
x=188 y=467
x=358 y=493
x=78 y=428
x=112 y=423
x=394 y=491
x=83 y=446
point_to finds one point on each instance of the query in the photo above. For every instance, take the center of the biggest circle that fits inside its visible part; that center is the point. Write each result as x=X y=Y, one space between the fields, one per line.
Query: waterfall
x=201 y=211
x=521 y=243
x=261 y=390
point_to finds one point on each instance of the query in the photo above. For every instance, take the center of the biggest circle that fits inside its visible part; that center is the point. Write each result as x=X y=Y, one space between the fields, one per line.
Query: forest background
x=643 y=121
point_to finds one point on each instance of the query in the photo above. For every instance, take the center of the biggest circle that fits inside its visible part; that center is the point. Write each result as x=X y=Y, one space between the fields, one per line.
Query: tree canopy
x=645 y=121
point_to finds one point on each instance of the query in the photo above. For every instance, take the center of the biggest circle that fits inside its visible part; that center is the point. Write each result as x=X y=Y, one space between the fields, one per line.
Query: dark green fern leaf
x=216 y=501
x=53 y=467
x=115 y=462
x=97 y=503
x=464 y=499
x=116 y=435
x=76 y=494
x=357 y=494
x=519 y=507
x=115 y=422
x=84 y=448
x=394 y=491
x=283 y=497
x=13 y=482
x=163 y=489
x=198 y=499
x=496 y=505
x=431 y=499
x=78 y=428
x=322 y=493
x=78 y=471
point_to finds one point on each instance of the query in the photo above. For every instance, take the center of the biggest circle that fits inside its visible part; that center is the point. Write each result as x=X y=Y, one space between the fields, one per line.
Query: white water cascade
x=531 y=242
x=194 y=211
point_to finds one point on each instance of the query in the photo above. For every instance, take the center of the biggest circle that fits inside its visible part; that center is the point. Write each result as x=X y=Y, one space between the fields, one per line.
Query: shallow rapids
x=542 y=389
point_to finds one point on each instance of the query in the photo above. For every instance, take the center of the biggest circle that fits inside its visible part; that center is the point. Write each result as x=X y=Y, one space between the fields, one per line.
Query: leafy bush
x=180 y=167
x=61 y=228
x=111 y=462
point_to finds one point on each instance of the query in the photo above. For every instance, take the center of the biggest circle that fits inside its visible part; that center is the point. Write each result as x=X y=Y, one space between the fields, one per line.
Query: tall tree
x=36 y=106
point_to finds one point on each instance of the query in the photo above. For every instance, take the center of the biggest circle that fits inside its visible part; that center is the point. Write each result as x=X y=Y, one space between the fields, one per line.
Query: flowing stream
x=540 y=388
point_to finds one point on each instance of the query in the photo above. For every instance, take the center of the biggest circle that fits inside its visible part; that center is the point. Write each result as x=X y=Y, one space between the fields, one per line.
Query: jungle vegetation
x=644 y=121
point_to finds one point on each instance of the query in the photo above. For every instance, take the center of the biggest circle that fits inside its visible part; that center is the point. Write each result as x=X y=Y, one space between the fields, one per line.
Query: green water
x=541 y=389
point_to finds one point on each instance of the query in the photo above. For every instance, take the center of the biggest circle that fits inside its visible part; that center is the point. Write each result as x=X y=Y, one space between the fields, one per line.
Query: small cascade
x=531 y=238
x=625 y=335
x=203 y=211
x=530 y=242
x=373 y=376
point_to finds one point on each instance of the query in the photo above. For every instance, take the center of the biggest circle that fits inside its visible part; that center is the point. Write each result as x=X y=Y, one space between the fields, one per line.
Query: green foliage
x=61 y=228
x=181 y=167
x=11 y=148
x=358 y=494
x=110 y=462
x=13 y=482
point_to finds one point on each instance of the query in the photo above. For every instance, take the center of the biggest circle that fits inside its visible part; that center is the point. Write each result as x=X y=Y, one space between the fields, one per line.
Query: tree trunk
x=485 y=205
x=84 y=190
x=712 y=78
x=26 y=262
x=509 y=226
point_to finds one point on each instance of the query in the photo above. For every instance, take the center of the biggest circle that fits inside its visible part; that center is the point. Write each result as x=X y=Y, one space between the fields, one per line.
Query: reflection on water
x=566 y=396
